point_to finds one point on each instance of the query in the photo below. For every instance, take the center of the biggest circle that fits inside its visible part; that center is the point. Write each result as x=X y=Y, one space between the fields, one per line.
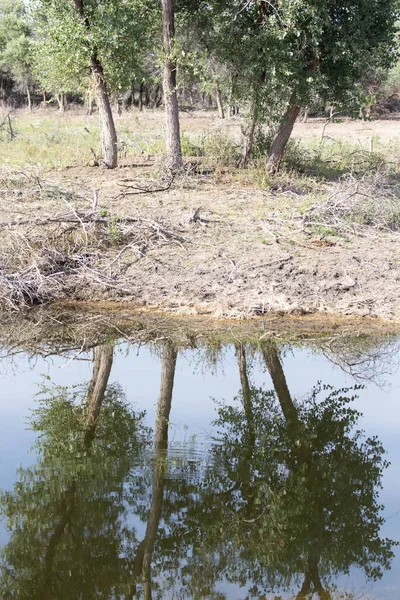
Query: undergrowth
x=333 y=181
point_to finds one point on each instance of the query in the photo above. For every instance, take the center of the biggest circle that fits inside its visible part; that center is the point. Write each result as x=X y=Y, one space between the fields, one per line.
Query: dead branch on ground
x=357 y=206
x=42 y=256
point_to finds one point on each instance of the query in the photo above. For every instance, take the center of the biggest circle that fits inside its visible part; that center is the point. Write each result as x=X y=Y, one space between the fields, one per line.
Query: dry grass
x=218 y=240
x=39 y=253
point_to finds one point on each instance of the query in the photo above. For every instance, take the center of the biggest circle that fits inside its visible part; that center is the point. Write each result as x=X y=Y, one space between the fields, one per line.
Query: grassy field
x=50 y=139
x=322 y=236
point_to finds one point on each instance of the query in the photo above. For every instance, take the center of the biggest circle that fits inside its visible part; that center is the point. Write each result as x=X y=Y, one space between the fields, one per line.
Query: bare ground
x=235 y=257
x=209 y=244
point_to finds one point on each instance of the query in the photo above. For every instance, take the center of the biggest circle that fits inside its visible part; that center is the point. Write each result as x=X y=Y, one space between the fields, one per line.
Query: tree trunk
x=305 y=115
x=128 y=98
x=108 y=134
x=221 y=113
x=44 y=99
x=141 y=97
x=28 y=96
x=282 y=136
x=248 y=138
x=89 y=108
x=118 y=105
x=60 y=100
x=147 y=96
x=173 y=139
x=158 y=96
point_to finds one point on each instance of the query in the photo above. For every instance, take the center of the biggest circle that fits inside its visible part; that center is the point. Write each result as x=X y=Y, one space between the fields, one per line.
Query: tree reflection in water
x=306 y=509
x=66 y=514
x=286 y=500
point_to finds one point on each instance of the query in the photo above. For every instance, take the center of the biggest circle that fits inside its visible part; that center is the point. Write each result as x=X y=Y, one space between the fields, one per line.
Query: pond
x=234 y=470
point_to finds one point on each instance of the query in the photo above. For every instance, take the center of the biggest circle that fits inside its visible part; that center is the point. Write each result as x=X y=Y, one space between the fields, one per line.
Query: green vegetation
x=263 y=59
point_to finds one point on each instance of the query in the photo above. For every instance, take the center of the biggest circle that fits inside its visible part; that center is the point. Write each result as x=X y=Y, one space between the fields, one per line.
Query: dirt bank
x=206 y=245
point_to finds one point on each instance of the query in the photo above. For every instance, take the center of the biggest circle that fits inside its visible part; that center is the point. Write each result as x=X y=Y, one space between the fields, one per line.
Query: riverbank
x=220 y=250
x=216 y=241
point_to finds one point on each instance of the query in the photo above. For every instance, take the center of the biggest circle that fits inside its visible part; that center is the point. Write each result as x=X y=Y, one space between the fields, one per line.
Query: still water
x=133 y=471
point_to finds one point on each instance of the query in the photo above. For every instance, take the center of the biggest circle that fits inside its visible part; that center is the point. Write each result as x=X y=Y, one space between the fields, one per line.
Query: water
x=153 y=471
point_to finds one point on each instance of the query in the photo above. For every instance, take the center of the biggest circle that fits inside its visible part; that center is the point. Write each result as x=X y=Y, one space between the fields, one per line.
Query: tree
x=102 y=40
x=173 y=138
x=16 y=45
x=327 y=48
x=280 y=54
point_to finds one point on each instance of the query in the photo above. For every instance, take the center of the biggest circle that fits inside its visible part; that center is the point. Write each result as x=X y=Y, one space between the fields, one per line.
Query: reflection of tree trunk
x=305 y=588
x=248 y=490
x=244 y=380
x=165 y=398
x=101 y=372
x=274 y=366
x=67 y=508
x=153 y=520
x=145 y=550
x=312 y=577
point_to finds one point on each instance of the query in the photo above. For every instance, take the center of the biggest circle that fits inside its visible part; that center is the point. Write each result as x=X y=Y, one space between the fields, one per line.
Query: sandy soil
x=238 y=259
x=235 y=261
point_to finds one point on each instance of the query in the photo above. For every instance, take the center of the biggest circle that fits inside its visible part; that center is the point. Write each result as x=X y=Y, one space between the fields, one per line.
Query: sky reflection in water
x=144 y=483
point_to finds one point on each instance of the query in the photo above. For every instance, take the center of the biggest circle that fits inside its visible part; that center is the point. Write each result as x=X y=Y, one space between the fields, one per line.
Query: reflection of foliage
x=363 y=357
x=288 y=495
x=61 y=417
x=307 y=501
x=66 y=514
